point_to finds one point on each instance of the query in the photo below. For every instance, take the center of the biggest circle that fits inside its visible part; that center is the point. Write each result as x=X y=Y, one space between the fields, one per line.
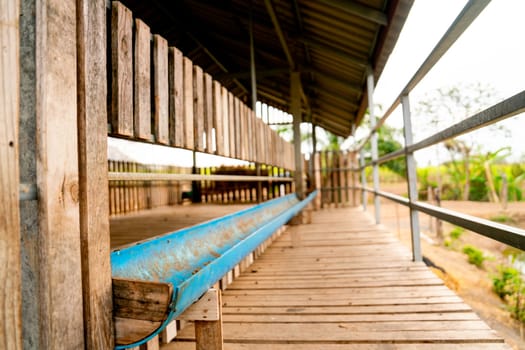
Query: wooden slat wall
x=10 y=264
x=190 y=109
x=130 y=196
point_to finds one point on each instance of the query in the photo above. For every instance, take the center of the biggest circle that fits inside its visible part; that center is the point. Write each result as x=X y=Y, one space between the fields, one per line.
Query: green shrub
x=510 y=286
x=456 y=232
x=503 y=284
x=475 y=256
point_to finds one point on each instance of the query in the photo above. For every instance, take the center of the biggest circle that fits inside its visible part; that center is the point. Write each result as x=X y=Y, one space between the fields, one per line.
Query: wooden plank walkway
x=348 y=285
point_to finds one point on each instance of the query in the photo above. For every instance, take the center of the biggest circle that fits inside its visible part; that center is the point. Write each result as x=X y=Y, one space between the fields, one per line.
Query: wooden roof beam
x=333 y=80
x=340 y=54
x=284 y=44
x=356 y=9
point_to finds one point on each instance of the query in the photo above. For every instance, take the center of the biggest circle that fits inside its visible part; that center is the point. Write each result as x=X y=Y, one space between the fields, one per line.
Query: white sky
x=491 y=51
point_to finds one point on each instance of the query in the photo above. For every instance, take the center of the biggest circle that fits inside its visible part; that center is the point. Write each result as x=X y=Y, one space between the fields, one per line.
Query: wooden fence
x=243 y=192
x=130 y=196
x=127 y=196
x=160 y=96
x=334 y=178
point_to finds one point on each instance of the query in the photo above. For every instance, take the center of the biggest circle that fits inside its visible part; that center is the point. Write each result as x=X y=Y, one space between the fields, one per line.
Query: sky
x=491 y=52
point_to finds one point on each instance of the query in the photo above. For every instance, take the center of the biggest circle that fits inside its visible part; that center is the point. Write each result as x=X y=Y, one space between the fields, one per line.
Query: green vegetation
x=456 y=232
x=510 y=286
x=504 y=219
x=387 y=143
x=475 y=256
x=454 y=235
x=488 y=175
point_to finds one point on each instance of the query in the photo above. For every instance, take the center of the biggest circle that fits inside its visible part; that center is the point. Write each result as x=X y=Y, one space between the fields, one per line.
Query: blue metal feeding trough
x=155 y=280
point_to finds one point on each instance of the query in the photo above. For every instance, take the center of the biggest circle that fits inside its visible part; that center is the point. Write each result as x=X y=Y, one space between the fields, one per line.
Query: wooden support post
x=10 y=264
x=152 y=344
x=93 y=170
x=317 y=176
x=295 y=110
x=169 y=332
x=411 y=179
x=373 y=142
x=60 y=294
x=207 y=314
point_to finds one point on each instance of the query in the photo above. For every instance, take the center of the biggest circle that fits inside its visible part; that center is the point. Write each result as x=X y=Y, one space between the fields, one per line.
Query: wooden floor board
x=348 y=284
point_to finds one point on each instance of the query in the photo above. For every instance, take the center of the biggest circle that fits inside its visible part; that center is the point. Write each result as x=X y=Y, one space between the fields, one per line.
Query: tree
x=387 y=143
x=446 y=106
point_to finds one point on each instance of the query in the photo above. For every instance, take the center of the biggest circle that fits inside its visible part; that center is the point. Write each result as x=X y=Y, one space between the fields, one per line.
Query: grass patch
x=456 y=232
x=504 y=219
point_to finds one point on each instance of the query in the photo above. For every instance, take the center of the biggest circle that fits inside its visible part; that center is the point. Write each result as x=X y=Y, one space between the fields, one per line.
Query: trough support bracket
x=207 y=315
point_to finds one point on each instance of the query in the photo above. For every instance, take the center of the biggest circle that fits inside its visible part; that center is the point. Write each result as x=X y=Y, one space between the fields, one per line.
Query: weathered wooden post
x=52 y=286
x=10 y=262
x=93 y=171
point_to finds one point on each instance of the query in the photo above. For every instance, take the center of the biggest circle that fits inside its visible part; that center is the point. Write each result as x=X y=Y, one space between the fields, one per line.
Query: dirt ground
x=473 y=284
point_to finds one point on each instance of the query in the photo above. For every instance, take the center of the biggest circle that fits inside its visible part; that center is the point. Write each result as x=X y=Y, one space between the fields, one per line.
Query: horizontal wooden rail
x=121 y=176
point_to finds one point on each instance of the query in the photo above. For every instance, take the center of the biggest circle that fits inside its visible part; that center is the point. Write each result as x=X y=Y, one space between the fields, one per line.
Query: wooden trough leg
x=169 y=333
x=207 y=314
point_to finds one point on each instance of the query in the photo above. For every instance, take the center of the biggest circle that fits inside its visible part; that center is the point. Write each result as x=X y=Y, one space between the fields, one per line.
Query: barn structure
x=187 y=74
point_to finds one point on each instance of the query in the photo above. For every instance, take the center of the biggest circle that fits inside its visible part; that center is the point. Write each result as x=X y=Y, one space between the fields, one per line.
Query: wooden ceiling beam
x=365 y=12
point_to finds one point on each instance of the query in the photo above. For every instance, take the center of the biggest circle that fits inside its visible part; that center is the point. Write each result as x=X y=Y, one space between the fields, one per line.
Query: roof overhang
x=335 y=44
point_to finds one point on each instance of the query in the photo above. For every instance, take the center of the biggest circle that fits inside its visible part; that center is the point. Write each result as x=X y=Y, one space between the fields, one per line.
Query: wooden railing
x=130 y=196
x=244 y=191
x=127 y=196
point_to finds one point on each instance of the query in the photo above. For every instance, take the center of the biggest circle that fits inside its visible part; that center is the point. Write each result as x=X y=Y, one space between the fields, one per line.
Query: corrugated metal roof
x=332 y=43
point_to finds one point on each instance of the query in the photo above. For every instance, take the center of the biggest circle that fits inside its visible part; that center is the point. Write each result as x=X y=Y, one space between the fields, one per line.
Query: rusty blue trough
x=193 y=259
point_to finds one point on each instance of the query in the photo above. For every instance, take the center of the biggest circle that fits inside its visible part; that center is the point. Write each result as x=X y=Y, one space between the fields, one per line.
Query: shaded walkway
x=349 y=285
